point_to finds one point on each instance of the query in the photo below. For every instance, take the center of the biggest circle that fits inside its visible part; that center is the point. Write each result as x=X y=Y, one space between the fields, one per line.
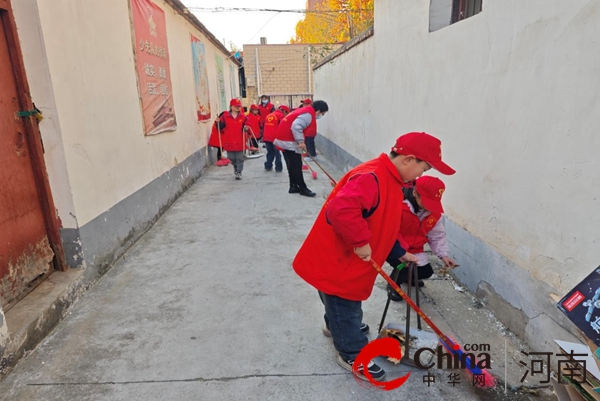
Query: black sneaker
x=279 y=171
x=294 y=190
x=394 y=296
x=268 y=169
x=307 y=192
x=363 y=327
x=375 y=370
x=238 y=175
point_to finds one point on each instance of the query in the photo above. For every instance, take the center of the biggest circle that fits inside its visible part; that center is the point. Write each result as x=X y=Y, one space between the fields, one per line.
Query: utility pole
x=350 y=26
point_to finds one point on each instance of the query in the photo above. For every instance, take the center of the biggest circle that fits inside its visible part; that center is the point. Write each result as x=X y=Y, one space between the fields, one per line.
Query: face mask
x=319 y=116
x=264 y=101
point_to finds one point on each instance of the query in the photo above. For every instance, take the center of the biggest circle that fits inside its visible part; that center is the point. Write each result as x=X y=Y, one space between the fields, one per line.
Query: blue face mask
x=319 y=116
x=264 y=101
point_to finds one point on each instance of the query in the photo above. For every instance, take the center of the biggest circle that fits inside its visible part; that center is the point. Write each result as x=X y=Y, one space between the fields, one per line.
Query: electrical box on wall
x=250 y=80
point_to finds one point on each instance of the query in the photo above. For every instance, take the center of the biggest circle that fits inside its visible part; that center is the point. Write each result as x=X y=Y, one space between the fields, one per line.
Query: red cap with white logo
x=424 y=147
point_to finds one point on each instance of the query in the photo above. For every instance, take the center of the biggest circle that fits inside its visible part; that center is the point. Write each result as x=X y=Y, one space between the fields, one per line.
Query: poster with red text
x=152 y=65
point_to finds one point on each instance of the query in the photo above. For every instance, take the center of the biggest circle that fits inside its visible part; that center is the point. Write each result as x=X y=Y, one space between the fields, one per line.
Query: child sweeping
x=422 y=224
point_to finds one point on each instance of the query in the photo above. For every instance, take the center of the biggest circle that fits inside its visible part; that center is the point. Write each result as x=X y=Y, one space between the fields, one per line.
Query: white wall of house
x=513 y=94
x=80 y=64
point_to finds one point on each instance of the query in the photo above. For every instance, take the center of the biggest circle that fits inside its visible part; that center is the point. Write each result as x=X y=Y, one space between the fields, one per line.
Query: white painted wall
x=513 y=94
x=40 y=83
x=80 y=64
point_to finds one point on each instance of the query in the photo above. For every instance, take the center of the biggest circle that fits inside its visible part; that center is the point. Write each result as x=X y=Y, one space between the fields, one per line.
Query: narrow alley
x=206 y=306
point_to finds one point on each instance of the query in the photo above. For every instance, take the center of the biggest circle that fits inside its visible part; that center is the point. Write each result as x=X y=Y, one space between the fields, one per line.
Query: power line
x=237 y=9
x=260 y=29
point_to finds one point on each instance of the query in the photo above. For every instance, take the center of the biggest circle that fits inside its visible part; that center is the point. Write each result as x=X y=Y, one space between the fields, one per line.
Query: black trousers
x=424 y=273
x=293 y=161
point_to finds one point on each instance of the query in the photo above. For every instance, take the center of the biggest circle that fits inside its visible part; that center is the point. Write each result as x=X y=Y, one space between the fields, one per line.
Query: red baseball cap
x=431 y=189
x=235 y=102
x=254 y=107
x=306 y=101
x=284 y=108
x=425 y=147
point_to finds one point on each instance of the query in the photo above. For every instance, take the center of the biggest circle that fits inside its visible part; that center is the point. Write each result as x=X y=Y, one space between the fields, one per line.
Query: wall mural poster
x=200 y=80
x=152 y=65
x=232 y=81
x=221 y=83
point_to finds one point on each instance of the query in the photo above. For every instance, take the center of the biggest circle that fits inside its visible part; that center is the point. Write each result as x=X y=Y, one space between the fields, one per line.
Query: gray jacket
x=298 y=126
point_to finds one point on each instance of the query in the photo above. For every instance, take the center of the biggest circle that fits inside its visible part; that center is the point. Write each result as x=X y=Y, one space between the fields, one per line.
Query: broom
x=313 y=172
x=450 y=345
x=224 y=161
x=333 y=182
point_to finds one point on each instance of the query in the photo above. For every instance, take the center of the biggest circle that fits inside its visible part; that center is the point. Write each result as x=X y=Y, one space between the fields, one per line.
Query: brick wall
x=284 y=69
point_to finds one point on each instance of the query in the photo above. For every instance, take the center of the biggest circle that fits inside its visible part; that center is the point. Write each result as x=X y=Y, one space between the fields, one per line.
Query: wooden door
x=26 y=252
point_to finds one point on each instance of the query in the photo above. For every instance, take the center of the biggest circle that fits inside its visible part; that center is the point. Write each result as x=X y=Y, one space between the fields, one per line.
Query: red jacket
x=271 y=124
x=284 y=131
x=213 y=140
x=234 y=137
x=254 y=123
x=264 y=111
x=326 y=259
x=413 y=232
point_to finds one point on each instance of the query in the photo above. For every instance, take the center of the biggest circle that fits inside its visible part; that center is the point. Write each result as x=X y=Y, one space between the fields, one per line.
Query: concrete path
x=206 y=306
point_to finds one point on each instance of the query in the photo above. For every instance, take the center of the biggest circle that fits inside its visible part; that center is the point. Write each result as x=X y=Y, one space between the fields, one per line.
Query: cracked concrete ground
x=206 y=306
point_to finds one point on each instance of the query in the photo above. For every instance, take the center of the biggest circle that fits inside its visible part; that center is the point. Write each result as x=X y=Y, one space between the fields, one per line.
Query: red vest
x=311 y=130
x=254 y=124
x=284 y=131
x=233 y=138
x=264 y=111
x=213 y=140
x=414 y=231
x=271 y=124
x=330 y=265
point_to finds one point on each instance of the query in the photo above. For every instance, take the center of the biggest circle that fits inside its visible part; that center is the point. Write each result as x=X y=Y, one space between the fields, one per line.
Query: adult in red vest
x=309 y=134
x=291 y=138
x=232 y=125
x=421 y=224
x=269 y=134
x=253 y=124
x=265 y=108
x=360 y=222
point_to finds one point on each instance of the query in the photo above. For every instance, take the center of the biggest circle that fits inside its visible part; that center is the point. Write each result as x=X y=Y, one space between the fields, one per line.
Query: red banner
x=152 y=64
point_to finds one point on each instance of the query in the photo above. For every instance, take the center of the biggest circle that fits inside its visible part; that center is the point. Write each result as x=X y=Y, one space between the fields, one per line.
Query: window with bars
x=462 y=9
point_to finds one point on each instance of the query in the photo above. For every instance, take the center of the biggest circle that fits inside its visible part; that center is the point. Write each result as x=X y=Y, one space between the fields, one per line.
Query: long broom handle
x=220 y=143
x=410 y=302
x=309 y=167
x=322 y=169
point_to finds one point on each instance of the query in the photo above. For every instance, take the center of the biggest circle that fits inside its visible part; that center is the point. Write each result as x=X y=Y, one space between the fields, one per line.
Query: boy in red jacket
x=422 y=224
x=359 y=222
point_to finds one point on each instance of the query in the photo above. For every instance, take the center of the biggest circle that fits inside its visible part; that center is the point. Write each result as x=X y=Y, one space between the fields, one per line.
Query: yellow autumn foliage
x=336 y=21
